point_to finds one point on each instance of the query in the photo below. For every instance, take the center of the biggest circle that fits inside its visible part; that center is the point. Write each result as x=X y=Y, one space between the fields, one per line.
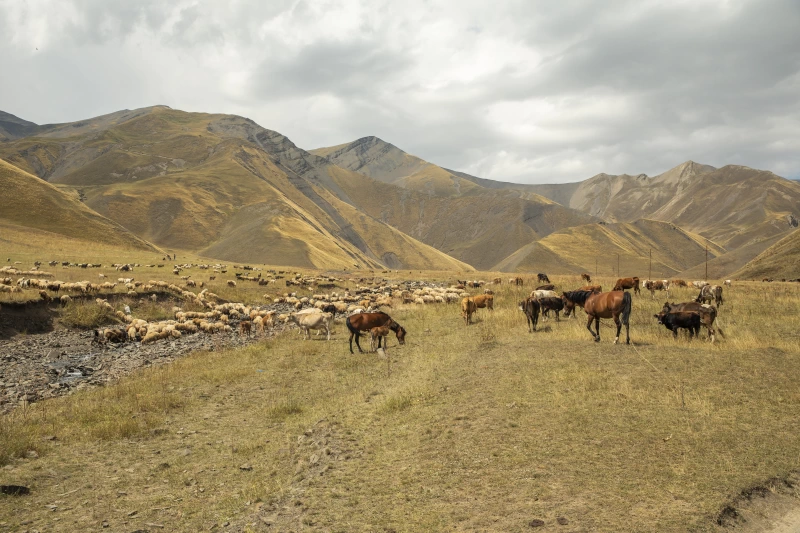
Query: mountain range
x=224 y=187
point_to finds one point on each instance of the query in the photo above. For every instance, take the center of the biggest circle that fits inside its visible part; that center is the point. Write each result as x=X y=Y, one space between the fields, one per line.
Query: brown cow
x=531 y=307
x=593 y=288
x=679 y=283
x=548 y=287
x=468 y=309
x=627 y=283
x=484 y=301
x=586 y=277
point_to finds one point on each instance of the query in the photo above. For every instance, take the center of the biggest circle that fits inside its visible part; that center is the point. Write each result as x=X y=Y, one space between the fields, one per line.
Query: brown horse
x=366 y=321
x=614 y=304
x=586 y=277
x=577 y=298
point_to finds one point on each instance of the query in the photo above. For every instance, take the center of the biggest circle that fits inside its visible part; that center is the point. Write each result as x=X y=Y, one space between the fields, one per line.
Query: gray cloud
x=521 y=91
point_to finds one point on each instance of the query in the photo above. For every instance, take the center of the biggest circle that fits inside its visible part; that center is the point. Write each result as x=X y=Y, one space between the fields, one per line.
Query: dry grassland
x=480 y=428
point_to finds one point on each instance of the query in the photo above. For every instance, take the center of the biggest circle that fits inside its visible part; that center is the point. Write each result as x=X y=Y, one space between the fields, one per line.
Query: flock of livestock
x=362 y=307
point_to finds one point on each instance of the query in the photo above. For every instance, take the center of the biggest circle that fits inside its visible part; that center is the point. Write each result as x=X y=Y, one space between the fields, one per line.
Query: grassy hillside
x=215 y=184
x=29 y=202
x=781 y=260
x=575 y=249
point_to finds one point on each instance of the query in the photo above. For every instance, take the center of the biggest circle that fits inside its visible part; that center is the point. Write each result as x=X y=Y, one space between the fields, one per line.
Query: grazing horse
x=366 y=321
x=531 y=307
x=542 y=278
x=614 y=304
x=586 y=277
x=547 y=287
x=627 y=283
x=555 y=303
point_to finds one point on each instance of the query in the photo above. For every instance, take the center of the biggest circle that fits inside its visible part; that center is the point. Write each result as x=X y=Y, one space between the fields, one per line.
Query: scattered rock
x=562 y=521
x=536 y=523
x=246 y=467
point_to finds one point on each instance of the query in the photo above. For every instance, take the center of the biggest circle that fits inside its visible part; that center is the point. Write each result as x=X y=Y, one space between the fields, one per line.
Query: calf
x=468 y=308
x=680 y=320
x=554 y=303
x=531 y=308
x=708 y=314
x=657 y=285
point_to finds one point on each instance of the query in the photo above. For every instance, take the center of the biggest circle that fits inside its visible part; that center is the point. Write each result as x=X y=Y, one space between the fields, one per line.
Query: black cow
x=680 y=320
x=530 y=306
x=542 y=278
x=556 y=304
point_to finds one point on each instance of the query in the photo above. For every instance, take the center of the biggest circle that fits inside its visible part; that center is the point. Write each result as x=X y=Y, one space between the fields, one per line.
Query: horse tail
x=626 y=307
x=350 y=327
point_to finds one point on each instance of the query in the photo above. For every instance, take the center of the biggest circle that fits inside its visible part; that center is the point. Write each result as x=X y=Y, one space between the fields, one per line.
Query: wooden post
x=650 y=272
x=619 y=272
x=706 y=278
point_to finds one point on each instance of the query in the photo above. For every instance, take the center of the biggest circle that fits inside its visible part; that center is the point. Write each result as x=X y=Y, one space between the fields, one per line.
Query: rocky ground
x=38 y=366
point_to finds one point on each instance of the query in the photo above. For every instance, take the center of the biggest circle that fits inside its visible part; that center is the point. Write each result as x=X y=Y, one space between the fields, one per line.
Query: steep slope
x=734 y=206
x=479 y=230
x=218 y=184
x=779 y=261
x=725 y=265
x=13 y=127
x=29 y=202
x=575 y=250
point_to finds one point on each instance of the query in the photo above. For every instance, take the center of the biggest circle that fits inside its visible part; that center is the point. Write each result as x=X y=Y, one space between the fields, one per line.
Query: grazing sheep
x=65 y=299
x=231 y=283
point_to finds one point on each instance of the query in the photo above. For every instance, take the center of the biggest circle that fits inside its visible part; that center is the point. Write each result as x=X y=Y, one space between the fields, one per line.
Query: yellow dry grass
x=484 y=427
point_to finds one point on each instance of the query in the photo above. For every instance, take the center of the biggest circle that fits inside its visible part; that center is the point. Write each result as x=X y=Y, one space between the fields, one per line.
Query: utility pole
x=595 y=266
x=650 y=272
x=706 y=278
x=619 y=272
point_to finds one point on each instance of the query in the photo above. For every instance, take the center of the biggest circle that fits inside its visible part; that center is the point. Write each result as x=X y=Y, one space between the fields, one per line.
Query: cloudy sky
x=526 y=91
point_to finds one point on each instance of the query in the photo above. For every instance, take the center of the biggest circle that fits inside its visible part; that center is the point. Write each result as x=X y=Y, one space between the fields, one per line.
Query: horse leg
x=358 y=344
x=589 y=327
x=618 y=322
x=351 y=342
x=557 y=317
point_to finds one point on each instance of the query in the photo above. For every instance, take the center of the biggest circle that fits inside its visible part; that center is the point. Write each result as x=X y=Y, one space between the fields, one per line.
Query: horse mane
x=578 y=297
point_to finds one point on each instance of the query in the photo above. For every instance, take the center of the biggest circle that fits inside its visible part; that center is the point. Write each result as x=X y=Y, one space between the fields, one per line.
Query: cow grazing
x=716 y=290
x=706 y=295
x=657 y=285
x=531 y=308
x=727 y=283
x=627 y=283
x=586 y=277
x=542 y=278
x=592 y=288
x=708 y=314
x=468 y=308
x=547 y=287
x=699 y=284
x=680 y=320
x=309 y=321
x=498 y=281
x=554 y=303
x=678 y=283
x=515 y=281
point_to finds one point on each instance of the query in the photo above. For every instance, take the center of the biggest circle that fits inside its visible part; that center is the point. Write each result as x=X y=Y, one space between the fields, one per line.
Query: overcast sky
x=524 y=91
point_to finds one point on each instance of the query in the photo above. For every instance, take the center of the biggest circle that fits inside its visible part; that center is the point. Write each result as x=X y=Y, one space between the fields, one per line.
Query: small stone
x=247 y=467
x=104 y=524
x=32 y=454
x=562 y=521
x=132 y=513
x=536 y=523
